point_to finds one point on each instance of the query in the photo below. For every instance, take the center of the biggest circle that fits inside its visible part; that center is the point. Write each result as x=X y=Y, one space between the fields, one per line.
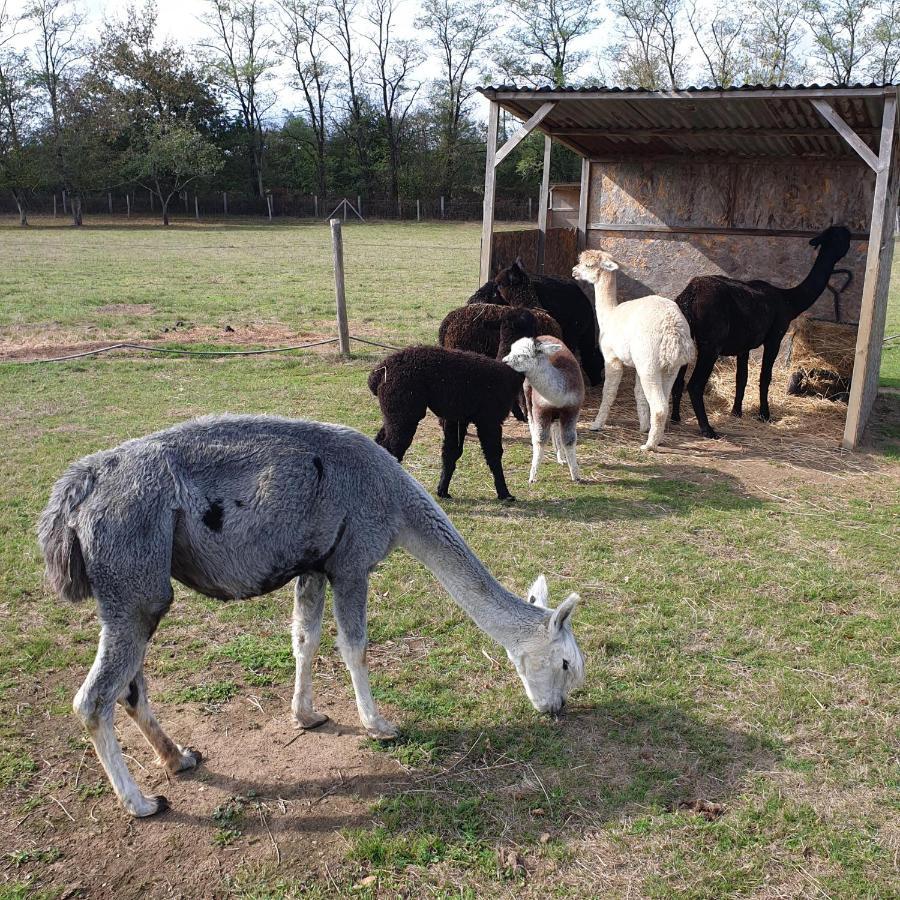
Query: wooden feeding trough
x=715 y=181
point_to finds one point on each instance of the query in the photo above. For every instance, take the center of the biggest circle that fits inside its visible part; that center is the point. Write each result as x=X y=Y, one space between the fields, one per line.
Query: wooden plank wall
x=727 y=195
x=559 y=252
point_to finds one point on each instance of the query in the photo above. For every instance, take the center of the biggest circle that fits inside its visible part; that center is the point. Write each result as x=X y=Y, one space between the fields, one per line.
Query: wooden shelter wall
x=653 y=263
x=559 y=250
x=727 y=195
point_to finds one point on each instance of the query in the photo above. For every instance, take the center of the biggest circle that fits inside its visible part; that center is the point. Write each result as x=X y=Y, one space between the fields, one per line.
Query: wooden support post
x=196 y=208
x=523 y=132
x=869 y=337
x=583 y=203
x=544 y=204
x=490 y=188
x=828 y=113
x=337 y=246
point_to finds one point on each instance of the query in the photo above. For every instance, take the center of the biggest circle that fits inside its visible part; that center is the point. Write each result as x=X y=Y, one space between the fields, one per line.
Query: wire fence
x=277 y=204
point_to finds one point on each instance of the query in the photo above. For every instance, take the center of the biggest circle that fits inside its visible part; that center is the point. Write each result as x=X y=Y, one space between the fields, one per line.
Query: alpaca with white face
x=235 y=507
x=650 y=334
x=554 y=395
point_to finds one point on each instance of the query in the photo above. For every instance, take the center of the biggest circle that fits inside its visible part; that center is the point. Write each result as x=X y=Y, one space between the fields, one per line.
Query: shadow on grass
x=486 y=784
x=636 y=492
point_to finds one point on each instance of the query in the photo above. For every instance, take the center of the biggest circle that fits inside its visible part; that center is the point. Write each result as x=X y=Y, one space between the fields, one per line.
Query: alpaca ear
x=561 y=614
x=538 y=592
x=548 y=347
x=609 y=265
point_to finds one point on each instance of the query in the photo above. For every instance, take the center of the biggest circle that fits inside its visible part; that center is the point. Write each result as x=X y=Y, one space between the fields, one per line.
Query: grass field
x=737 y=733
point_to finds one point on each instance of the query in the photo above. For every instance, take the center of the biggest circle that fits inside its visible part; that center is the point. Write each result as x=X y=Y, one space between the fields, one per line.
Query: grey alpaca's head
x=550 y=669
x=526 y=353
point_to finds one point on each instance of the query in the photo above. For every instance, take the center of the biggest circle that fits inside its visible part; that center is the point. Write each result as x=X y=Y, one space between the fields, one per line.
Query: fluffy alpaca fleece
x=457 y=386
x=491 y=330
x=730 y=318
x=649 y=334
x=554 y=395
x=562 y=298
x=235 y=507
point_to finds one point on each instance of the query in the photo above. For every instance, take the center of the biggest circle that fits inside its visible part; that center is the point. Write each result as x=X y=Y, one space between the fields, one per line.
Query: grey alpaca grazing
x=235 y=507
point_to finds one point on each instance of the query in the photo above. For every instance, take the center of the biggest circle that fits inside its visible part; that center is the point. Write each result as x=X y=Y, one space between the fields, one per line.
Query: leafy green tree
x=841 y=39
x=170 y=156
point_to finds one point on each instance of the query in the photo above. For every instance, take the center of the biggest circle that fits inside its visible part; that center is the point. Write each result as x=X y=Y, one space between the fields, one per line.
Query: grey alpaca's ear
x=548 y=347
x=563 y=612
x=538 y=592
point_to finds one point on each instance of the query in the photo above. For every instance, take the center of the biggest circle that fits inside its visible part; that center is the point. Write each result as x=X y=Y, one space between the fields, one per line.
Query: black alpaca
x=730 y=318
x=458 y=387
x=562 y=298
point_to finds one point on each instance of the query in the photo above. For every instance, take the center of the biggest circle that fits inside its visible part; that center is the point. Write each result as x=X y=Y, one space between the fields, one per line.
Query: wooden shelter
x=725 y=181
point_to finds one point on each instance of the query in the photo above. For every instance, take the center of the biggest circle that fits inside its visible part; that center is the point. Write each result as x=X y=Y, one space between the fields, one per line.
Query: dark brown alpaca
x=458 y=387
x=730 y=318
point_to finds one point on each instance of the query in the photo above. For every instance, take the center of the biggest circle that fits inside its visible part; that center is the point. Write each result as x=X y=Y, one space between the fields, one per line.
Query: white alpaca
x=554 y=394
x=649 y=334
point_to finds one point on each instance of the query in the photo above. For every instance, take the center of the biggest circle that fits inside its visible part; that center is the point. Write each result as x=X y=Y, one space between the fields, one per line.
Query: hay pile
x=821 y=359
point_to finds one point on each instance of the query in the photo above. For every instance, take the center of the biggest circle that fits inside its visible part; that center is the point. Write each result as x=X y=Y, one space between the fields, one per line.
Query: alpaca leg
x=169 y=754
x=569 y=437
x=306 y=632
x=120 y=656
x=706 y=361
x=657 y=392
x=350 y=594
x=540 y=434
x=740 y=383
x=677 y=391
x=770 y=352
x=614 y=370
x=556 y=436
x=640 y=400
x=490 y=435
x=451 y=451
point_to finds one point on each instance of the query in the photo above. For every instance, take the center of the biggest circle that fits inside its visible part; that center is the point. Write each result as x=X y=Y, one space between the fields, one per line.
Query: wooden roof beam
x=698 y=132
x=523 y=132
x=830 y=115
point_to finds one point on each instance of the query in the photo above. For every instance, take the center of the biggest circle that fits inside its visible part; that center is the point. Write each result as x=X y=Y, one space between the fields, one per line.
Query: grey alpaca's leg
x=451 y=451
x=490 y=436
x=169 y=754
x=556 y=436
x=350 y=595
x=306 y=632
x=706 y=361
x=569 y=437
x=740 y=384
x=770 y=352
x=120 y=656
x=614 y=370
x=540 y=434
x=677 y=391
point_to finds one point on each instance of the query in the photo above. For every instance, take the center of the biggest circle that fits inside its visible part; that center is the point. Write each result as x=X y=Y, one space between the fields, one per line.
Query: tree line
x=378 y=112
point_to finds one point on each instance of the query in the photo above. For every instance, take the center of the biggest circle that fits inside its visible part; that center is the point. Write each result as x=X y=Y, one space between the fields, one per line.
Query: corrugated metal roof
x=748 y=121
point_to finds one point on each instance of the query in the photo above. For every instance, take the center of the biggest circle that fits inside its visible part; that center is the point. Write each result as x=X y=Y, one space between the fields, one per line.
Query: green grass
x=741 y=648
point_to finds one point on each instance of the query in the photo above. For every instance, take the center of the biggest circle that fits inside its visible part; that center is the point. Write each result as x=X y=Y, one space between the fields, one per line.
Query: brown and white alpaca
x=554 y=394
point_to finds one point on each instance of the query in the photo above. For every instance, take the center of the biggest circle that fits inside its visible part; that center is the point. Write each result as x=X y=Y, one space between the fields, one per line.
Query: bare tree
x=17 y=170
x=241 y=58
x=719 y=39
x=652 y=54
x=459 y=29
x=538 y=47
x=58 y=51
x=301 y=26
x=395 y=61
x=884 y=38
x=841 y=39
x=343 y=38
x=772 y=38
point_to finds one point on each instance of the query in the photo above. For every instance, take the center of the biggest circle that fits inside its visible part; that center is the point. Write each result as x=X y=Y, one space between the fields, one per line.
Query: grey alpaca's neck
x=551 y=383
x=432 y=539
x=810 y=289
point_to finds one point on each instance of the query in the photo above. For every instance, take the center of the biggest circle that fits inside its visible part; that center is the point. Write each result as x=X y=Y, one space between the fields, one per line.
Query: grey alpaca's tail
x=66 y=572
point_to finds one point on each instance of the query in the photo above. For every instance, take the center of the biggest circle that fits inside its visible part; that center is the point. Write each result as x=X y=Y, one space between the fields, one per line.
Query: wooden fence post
x=54 y=204
x=185 y=200
x=337 y=246
x=418 y=211
x=225 y=203
x=196 y=208
x=128 y=204
x=65 y=213
x=151 y=200
x=316 y=205
x=529 y=209
x=109 y=201
x=269 y=205
x=442 y=206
